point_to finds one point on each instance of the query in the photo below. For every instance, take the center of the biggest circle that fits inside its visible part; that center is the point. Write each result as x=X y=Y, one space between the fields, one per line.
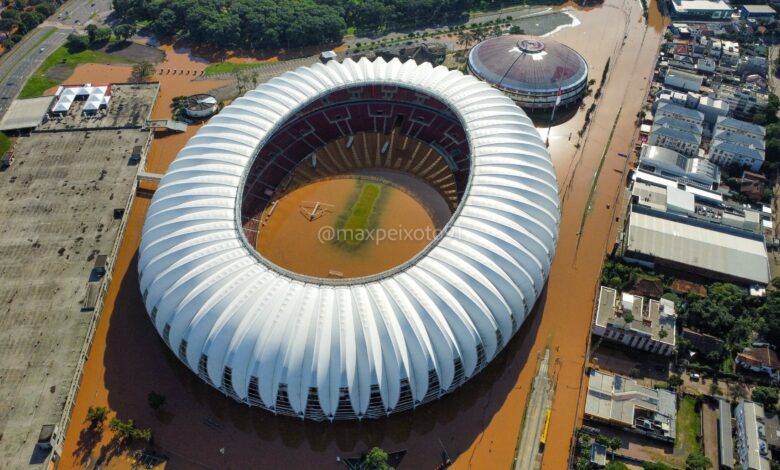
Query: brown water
x=315 y=247
x=478 y=425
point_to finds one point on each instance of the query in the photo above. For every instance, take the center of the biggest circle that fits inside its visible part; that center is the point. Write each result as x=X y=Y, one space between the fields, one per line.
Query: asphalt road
x=18 y=65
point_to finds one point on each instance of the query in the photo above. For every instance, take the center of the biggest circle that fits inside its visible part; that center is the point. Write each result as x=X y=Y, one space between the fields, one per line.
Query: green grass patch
x=228 y=67
x=688 y=427
x=354 y=224
x=39 y=83
x=5 y=143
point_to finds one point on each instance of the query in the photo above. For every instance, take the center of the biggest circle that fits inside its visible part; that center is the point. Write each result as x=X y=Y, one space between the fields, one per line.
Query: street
x=20 y=63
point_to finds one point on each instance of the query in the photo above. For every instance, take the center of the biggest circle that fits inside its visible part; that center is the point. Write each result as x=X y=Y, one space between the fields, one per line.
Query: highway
x=24 y=58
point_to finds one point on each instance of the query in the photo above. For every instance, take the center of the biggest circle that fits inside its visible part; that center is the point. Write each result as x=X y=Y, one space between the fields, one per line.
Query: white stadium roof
x=269 y=337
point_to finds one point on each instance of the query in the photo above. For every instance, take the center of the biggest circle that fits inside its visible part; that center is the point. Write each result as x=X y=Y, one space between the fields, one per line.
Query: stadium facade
x=330 y=349
x=532 y=71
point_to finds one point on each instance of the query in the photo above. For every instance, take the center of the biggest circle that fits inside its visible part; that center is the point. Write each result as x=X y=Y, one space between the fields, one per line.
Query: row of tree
x=272 y=24
x=16 y=20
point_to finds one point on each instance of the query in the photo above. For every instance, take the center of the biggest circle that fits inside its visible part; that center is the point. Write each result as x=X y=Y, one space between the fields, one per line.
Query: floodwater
x=298 y=240
x=478 y=425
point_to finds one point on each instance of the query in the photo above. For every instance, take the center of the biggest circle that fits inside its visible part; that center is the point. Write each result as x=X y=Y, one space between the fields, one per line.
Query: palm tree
x=465 y=38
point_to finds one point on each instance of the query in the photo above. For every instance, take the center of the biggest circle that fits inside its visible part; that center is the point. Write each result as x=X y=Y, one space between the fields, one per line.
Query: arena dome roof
x=528 y=64
x=328 y=349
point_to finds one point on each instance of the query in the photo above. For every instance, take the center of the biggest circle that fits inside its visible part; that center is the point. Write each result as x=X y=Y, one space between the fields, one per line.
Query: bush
x=767 y=396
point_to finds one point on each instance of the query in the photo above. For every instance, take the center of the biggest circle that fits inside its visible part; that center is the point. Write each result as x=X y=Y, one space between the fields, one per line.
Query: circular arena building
x=530 y=70
x=353 y=344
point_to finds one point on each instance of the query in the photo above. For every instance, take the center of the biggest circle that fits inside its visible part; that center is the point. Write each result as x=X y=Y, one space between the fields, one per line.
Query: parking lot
x=57 y=205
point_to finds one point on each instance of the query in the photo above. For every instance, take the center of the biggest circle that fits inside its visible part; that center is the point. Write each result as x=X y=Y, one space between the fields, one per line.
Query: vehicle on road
x=695 y=377
x=41 y=49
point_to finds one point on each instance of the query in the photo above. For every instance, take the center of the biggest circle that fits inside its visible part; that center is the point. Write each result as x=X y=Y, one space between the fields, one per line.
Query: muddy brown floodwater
x=294 y=239
x=477 y=425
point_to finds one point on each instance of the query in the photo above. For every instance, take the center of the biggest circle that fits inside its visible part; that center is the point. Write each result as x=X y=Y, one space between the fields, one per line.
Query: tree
x=615 y=443
x=465 y=38
x=767 y=396
x=142 y=71
x=616 y=465
x=96 y=415
x=697 y=461
x=376 y=459
x=77 y=42
x=155 y=400
x=91 y=31
x=714 y=389
x=124 y=31
x=101 y=36
x=675 y=381
x=516 y=30
x=127 y=430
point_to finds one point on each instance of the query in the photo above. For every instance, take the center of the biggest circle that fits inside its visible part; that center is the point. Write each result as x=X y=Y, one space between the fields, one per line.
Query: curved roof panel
x=361 y=347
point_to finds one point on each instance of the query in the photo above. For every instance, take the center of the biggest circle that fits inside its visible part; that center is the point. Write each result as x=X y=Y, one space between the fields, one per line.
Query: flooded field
x=305 y=231
x=478 y=425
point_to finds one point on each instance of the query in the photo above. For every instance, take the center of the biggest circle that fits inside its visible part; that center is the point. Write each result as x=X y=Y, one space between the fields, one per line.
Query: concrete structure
x=622 y=402
x=673 y=134
x=725 y=436
x=684 y=81
x=752 y=65
x=674 y=228
x=752 y=449
x=700 y=10
x=201 y=106
x=757 y=11
x=673 y=165
x=762 y=360
x=652 y=326
x=535 y=72
x=382 y=343
x=737 y=142
x=26 y=114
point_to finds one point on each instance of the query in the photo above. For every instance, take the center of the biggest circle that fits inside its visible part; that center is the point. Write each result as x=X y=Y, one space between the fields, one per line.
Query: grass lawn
x=360 y=213
x=5 y=143
x=688 y=427
x=228 y=67
x=38 y=83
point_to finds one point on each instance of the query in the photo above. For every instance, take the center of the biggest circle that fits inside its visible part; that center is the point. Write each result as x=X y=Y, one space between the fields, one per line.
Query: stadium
x=242 y=287
x=532 y=71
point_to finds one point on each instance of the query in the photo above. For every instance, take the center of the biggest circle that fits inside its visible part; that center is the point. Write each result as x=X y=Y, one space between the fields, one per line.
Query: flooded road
x=478 y=425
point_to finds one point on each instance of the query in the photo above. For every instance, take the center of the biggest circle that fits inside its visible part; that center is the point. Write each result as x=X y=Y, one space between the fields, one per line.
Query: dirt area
x=135 y=52
x=57 y=209
x=479 y=425
x=709 y=438
x=652 y=370
x=636 y=446
x=319 y=249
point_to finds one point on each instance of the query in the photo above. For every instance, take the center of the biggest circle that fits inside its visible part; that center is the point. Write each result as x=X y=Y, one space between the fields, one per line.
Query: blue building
x=757 y=11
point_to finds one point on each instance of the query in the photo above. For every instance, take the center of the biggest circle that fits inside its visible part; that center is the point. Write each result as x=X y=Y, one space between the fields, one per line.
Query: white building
x=626 y=318
x=680 y=136
x=624 y=403
x=700 y=10
x=752 y=449
x=673 y=165
x=737 y=142
x=680 y=113
x=326 y=349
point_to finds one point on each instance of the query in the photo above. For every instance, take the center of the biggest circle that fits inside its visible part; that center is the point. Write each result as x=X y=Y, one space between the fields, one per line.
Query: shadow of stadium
x=205 y=428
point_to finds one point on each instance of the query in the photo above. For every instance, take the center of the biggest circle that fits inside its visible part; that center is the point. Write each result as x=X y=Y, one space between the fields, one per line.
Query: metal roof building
x=327 y=349
x=625 y=403
x=722 y=252
x=530 y=70
x=725 y=435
